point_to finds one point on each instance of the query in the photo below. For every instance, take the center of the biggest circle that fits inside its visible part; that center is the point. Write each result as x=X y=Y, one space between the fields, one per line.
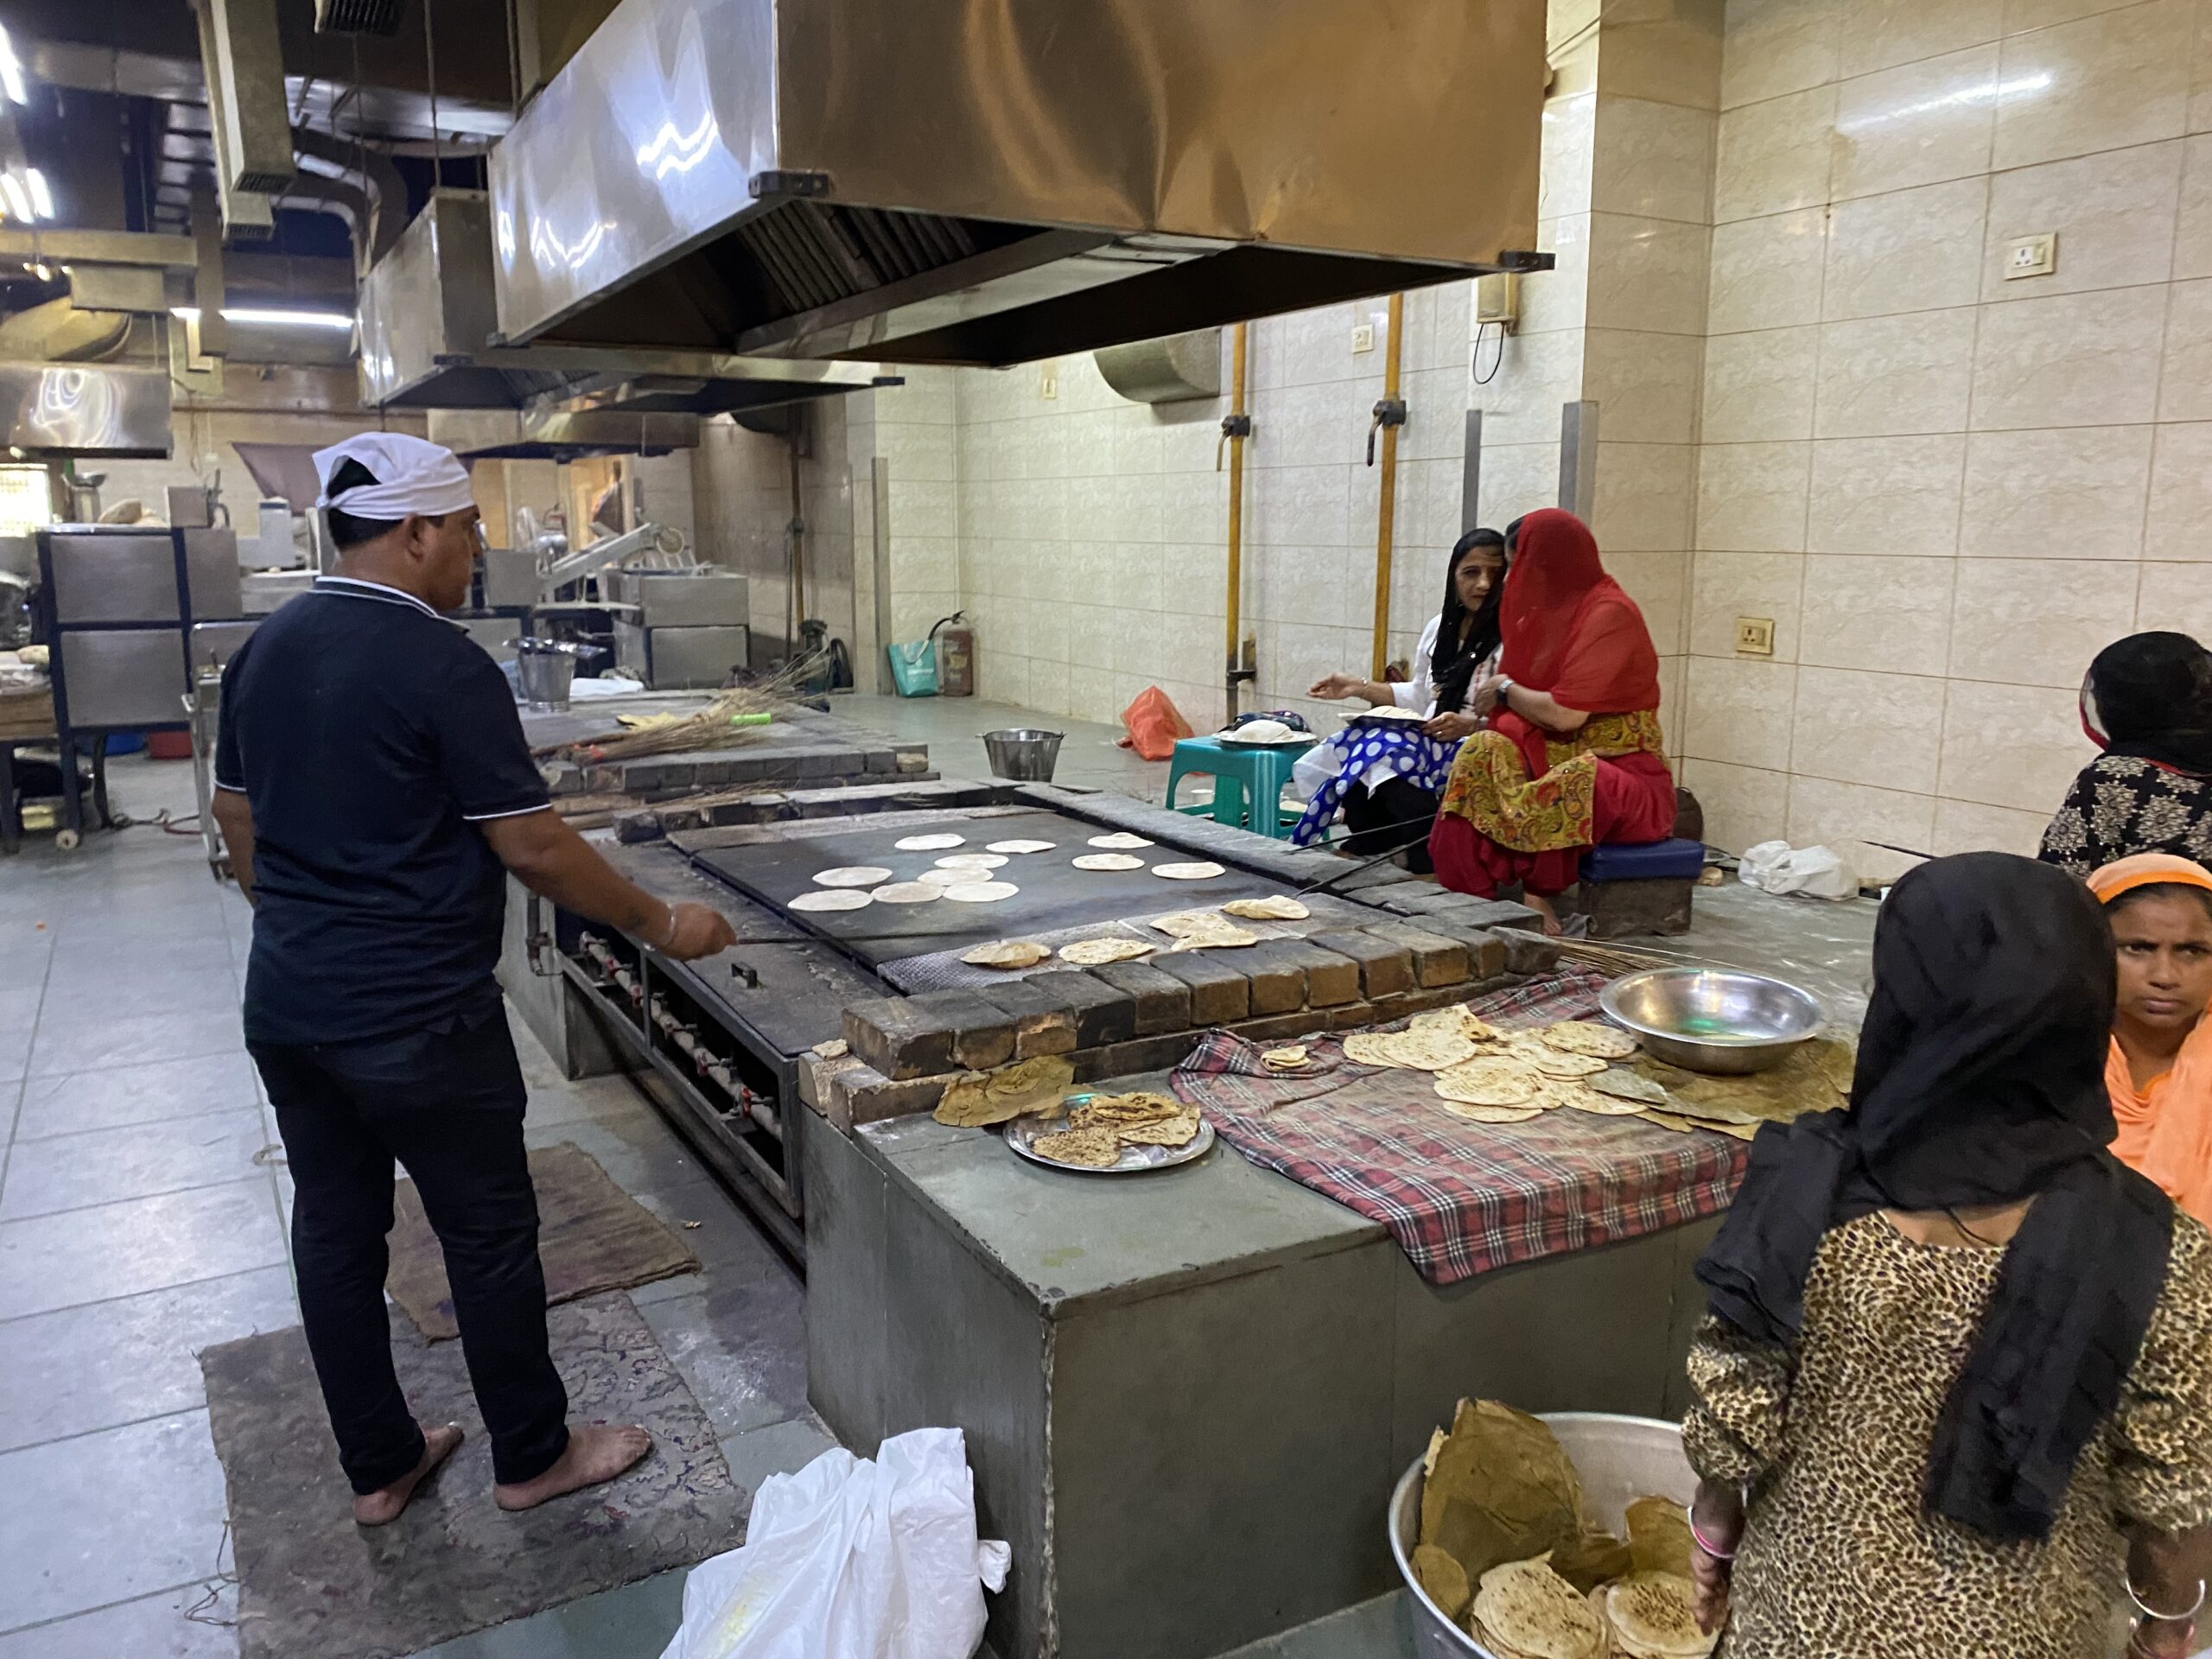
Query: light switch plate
x=2031 y=256
x=1048 y=380
x=1362 y=337
x=1755 y=636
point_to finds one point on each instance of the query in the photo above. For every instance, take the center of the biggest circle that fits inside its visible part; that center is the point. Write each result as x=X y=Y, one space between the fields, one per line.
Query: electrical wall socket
x=1755 y=636
x=1362 y=337
x=2031 y=256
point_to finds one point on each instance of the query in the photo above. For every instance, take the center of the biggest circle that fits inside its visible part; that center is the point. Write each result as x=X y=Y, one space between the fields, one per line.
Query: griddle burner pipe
x=687 y=1042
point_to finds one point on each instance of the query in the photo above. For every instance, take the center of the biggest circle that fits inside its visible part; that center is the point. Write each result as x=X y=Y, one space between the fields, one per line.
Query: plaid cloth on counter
x=1461 y=1197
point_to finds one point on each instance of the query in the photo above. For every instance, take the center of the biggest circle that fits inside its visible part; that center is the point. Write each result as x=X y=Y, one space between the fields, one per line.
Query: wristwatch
x=1504 y=689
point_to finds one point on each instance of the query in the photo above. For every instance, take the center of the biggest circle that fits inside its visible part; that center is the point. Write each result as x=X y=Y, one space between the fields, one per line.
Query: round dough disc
x=971 y=861
x=851 y=875
x=979 y=893
x=937 y=843
x=1094 y=953
x=1021 y=846
x=832 y=898
x=935 y=877
x=909 y=893
x=1106 y=861
x=1121 y=840
x=1200 y=871
x=1274 y=908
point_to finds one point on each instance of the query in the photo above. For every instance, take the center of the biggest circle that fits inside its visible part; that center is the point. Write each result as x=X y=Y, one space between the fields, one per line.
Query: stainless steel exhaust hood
x=989 y=182
x=427 y=317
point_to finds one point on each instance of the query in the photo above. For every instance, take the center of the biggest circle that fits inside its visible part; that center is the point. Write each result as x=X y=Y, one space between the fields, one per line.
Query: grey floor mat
x=592 y=1237
x=312 y=1582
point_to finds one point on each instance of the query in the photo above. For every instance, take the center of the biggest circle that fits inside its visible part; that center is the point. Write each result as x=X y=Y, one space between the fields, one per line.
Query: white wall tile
x=1653 y=159
x=1751 y=497
x=1882 y=33
x=1766 y=272
x=1759 y=387
x=2075 y=360
x=2178 y=526
x=1563 y=171
x=1884 y=377
x=2185 y=379
x=1740 y=709
x=1647 y=274
x=1646 y=385
x=1848 y=816
x=1726 y=586
x=1886 y=495
x=2035 y=621
x=2176 y=597
x=2113 y=215
x=2011 y=746
x=1920 y=123
x=1858 y=728
x=1885 y=615
x=1909 y=250
x=1774 y=47
x=1744 y=805
x=1659 y=583
x=1968 y=827
x=1646 y=496
x=1773 y=156
x=2193 y=230
x=2072 y=493
x=2102 y=83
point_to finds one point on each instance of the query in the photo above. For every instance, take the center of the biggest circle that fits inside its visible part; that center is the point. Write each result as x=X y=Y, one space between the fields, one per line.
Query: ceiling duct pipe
x=245 y=214
x=371 y=176
x=245 y=88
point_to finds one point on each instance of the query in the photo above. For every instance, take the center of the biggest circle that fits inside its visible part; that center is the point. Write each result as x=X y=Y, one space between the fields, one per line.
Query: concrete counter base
x=1186 y=1396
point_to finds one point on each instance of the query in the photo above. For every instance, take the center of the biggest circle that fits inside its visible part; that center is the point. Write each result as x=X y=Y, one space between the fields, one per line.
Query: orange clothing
x=2165 y=1131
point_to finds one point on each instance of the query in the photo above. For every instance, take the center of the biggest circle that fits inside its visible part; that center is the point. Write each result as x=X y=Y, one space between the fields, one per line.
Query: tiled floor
x=143 y=1207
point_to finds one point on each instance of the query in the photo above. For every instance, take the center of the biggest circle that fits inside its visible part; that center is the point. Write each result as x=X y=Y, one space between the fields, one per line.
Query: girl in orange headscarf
x=2159 y=1069
x=1573 y=755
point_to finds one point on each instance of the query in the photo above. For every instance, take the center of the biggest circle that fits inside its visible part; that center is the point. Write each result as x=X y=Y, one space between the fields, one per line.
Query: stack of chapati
x=1525 y=1611
x=1652 y=1616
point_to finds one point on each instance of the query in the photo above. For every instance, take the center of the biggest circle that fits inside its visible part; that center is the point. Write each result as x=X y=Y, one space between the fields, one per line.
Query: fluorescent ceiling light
x=42 y=198
x=11 y=71
x=11 y=188
x=271 y=317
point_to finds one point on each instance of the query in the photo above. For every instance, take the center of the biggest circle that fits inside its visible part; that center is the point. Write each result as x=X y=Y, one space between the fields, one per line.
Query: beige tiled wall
x=1947 y=489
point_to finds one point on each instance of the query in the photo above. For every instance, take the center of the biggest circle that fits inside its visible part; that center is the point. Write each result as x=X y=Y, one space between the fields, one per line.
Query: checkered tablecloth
x=1461 y=1197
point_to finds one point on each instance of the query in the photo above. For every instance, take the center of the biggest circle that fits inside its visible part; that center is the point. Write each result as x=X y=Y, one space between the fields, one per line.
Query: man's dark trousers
x=448 y=1104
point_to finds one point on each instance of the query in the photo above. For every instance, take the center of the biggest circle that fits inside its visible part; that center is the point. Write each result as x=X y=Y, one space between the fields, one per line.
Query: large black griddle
x=1054 y=895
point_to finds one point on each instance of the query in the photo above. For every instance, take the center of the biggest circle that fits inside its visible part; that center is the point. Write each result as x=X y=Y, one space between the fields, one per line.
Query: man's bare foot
x=1542 y=906
x=381 y=1506
x=596 y=1453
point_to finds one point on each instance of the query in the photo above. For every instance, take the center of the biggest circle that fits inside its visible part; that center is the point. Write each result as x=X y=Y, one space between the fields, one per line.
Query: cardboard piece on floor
x=592 y=1237
x=312 y=1582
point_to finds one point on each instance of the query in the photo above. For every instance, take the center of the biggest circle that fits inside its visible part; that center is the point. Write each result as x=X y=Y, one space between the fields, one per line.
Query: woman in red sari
x=1573 y=755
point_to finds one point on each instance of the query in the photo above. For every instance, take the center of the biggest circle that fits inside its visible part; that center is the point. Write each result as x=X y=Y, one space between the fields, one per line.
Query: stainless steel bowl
x=1025 y=753
x=1618 y=1461
x=1713 y=1019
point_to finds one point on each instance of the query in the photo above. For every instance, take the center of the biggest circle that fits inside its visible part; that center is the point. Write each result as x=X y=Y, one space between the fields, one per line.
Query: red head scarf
x=1570 y=629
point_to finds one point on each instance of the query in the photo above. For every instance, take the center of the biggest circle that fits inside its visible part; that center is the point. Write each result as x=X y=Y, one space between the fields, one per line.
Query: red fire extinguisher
x=956 y=656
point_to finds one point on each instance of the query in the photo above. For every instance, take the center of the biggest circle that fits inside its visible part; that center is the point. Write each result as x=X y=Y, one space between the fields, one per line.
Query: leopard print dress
x=2120 y=806
x=1836 y=1559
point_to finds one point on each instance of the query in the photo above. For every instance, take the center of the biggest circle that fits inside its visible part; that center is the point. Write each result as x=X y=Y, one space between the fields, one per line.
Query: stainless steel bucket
x=1026 y=754
x=1619 y=1459
x=546 y=668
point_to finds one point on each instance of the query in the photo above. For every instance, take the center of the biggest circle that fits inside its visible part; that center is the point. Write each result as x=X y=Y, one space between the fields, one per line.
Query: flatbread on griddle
x=930 y=843
x=1273 y=908
x=1018 y=846
x=1106 y=861
x=1121 y=840
x=851 y=875
x=979 y=893
x=1006 y=953
x=1094 y=953
x=970 y=860
x=909 y=893
x=832 y=898
x=1200 y=871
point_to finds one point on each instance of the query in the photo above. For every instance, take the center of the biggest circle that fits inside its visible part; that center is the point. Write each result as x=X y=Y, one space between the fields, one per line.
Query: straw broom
x=710 y=727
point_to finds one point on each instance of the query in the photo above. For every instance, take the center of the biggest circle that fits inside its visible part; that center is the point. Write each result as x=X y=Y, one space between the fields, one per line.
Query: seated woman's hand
x=1334 y=688
x=1451 y=728
x=1484 y=700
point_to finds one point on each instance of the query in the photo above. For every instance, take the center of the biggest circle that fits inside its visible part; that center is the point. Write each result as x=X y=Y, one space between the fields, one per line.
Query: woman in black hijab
x=2147 y=701
x=1956 y=1351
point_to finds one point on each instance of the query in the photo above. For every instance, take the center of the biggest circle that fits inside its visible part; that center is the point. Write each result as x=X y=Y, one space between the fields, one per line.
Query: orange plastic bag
x=1153 y=725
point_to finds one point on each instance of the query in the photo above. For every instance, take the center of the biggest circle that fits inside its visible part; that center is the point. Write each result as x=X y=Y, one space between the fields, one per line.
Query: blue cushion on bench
x=1645 y=861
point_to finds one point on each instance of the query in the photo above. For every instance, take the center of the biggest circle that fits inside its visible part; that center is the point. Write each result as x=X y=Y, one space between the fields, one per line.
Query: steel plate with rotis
x=1130 y=1157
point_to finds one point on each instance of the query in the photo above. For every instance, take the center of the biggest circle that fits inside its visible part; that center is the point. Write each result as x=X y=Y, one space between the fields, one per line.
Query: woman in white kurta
x=1387 y=778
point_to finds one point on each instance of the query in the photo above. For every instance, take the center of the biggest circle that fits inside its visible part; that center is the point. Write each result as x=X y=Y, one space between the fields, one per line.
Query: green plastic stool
x=1257 y=771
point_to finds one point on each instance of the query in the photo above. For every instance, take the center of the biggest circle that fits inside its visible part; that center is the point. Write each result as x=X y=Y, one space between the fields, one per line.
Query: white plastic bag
x=1816 y=872
x=852 y=1559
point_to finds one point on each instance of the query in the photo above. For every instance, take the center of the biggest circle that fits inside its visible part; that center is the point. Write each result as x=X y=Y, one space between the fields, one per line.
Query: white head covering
x=412 y=476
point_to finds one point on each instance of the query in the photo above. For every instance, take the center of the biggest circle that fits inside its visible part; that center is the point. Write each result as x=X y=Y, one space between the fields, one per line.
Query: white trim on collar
x=354 y=587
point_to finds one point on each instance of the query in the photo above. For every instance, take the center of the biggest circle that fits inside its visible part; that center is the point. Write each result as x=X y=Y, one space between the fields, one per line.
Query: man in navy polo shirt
x=374 y=787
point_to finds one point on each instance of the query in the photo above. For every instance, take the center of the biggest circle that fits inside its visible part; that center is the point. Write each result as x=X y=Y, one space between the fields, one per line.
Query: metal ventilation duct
x=968 y=182
x=426 y=315
x=246 y=91
x=357 y=16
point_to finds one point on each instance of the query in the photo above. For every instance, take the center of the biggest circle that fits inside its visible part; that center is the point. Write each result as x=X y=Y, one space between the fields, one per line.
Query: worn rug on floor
x=592 y=1237
x=312 y=1582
